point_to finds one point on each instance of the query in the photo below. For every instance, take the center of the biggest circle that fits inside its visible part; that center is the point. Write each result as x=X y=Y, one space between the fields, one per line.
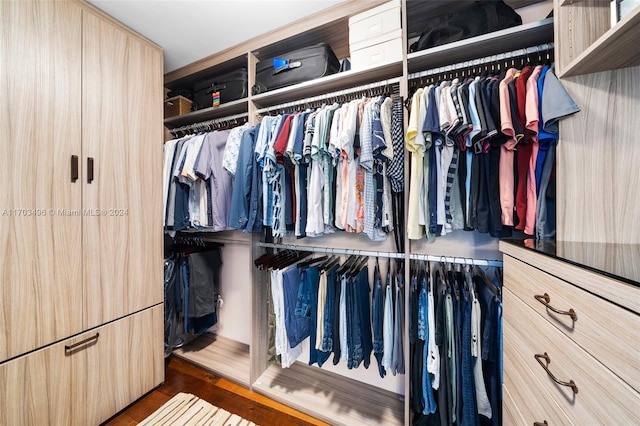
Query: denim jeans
x=397 y=360
x=377 y=319
x=363 y=290
x=329 y=310
x=354 y=327
x=297 y=327
x=303 y=302
x=312 y=280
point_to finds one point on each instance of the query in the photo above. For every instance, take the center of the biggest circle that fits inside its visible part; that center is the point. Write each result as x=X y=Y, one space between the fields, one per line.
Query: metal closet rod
x=424 y=257
x=482 y=61
x=332 y=250
x=209 y=123
x=349 y=91
x=456 y=259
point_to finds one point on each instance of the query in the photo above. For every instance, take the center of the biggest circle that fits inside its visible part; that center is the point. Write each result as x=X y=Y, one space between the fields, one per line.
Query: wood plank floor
x=183 y=376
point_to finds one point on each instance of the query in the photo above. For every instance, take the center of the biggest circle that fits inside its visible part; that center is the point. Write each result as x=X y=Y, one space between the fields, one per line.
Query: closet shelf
x=327 y=84
x=484 y=45
x=331 y=397
x=418 y=11
x=228 y=358
x=615 y=49
x=223 y=110
x=569 y=2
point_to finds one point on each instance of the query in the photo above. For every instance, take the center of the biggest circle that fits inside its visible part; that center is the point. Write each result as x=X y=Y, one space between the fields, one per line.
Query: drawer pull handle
x=82 y=342
x=546 y=357
x=545 y=299
x=542 y=423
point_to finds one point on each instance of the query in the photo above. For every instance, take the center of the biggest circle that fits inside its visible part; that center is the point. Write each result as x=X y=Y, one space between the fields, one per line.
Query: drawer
x=374 y=22
x=600 y=325
x=602 y=397
x=384 y=53
x=523 y=400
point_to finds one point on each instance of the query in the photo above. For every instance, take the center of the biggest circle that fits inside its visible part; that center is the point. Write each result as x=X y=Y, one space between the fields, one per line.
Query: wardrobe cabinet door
x=45 y=387
x=122 y=145
x=40 y=216
x=125 y=363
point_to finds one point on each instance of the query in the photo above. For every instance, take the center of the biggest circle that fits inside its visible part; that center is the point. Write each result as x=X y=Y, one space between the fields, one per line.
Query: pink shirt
x=532 y=117
x=505 y=171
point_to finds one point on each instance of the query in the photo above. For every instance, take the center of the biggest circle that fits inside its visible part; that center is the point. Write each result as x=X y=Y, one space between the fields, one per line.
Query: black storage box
x=295 y=67
x=232 y=86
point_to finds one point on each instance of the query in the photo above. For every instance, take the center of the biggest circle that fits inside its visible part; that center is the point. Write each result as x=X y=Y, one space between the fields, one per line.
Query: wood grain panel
x=577 y=27
x=615 y=291
x=600 y=327
x=330 y=397
x=225 y=357
x=597 y=157
x=122 y=104
x=43 y=388
x=40 y=222
x=524 y=399
x=602 y=397
x=125 y=363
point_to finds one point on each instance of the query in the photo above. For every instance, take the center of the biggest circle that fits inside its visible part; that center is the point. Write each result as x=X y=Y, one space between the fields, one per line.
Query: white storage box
x=384 y=19
x=386 y=52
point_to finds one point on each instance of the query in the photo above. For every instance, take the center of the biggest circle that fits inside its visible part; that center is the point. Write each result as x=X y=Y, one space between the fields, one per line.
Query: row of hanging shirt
x=340 y=167
x=198 y=180
x=331 y=169
x=329 y=303
x=456 y=345
x=482 y=153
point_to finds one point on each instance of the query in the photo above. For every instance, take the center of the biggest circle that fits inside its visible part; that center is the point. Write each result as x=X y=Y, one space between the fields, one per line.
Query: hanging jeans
x=377 y=319
x=297 y=326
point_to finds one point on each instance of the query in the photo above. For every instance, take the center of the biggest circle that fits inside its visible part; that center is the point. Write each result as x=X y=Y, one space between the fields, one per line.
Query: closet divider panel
x=40 y=119
x=597 y=160
x=122 y=107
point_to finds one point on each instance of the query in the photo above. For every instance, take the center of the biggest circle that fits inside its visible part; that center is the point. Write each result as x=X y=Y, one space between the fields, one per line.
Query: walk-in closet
x=427 y=228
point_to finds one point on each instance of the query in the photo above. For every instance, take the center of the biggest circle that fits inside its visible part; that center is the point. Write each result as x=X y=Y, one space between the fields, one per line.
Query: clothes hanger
x=310 y=262
x=480 y=273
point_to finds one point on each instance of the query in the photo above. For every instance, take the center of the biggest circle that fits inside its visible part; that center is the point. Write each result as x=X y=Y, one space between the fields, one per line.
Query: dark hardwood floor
x=182 y=376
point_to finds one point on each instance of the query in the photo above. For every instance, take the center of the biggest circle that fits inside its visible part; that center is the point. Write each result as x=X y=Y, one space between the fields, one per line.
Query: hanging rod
x=431 y=258
x=326 y=96
x=332 y=250
x=456 y=259
x=203 y=125
x=481 y=61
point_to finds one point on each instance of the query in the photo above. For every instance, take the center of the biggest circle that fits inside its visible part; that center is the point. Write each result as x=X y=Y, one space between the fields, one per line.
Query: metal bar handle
x=546 y=357
x=74 y=168
x=82 y=342
x=89 y=169
x=542 y=423
x=545 y=299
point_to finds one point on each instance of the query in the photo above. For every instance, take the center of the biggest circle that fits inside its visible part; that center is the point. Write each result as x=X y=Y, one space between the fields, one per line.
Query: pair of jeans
x=469 y=413
x=397 y=360
x=329 y=309
x=310 y=285
x=297 y=327
x=364 y=311
x=377 y=316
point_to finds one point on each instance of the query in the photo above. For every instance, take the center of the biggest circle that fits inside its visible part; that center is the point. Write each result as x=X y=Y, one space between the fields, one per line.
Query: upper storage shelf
x=589 y=44
x=222 y=110
x=531 y=34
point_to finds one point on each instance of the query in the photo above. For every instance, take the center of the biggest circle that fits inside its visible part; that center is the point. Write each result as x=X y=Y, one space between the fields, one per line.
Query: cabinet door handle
x=82 y=342
x=89 y=169
x=542 y=423
x=74 y=168
x=547 y=359
x=545 y=299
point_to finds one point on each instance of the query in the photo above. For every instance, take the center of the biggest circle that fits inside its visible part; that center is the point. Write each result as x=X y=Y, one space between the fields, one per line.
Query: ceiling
x=190 y=30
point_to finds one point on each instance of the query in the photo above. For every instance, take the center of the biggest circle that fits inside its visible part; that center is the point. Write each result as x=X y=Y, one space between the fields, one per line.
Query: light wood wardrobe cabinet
x=80 y=238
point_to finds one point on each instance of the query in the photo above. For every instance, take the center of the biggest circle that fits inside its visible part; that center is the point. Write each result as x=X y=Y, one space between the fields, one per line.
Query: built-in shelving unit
x=335 y=398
